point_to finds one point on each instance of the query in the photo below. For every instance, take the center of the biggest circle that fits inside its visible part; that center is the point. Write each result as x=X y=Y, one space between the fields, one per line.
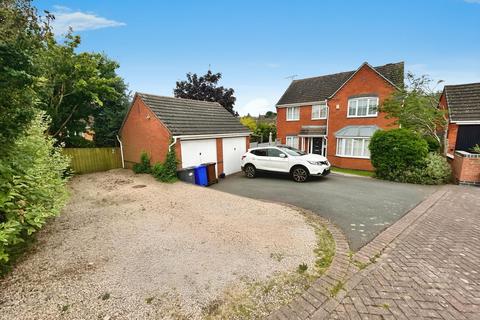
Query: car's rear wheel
x=299 y=174
x=250 y=171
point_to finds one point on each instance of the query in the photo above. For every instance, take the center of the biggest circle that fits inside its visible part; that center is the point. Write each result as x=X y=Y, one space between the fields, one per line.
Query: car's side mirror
x=282 y=155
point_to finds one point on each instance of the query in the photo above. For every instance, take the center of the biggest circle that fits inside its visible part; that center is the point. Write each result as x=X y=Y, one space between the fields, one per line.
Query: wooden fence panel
x=85 y=160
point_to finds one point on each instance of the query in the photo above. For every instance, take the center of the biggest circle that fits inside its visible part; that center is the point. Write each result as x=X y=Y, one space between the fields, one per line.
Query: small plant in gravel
x=149 y=300
x=65 y=307
x=302 y=268
x=277 y=256
x=105 y=296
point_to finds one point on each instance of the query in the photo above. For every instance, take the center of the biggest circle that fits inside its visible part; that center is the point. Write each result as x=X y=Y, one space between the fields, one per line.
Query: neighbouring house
x=336 y=115
x=201 y=131
x=462 y=103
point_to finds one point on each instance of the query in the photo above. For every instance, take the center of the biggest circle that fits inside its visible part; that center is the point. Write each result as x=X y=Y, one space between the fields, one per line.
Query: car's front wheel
x=299 y=174
x=250 y=171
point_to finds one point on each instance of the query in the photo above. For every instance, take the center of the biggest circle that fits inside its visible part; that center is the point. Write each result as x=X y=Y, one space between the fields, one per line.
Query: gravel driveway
x=127 y=246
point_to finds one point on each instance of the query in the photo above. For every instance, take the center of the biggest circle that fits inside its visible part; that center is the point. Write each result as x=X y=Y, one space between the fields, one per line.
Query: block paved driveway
x=361 y=207
x=431 y=271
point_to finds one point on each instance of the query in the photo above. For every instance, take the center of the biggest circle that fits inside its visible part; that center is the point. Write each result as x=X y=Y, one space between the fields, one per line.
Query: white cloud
x=255 y=107
x=79 y=21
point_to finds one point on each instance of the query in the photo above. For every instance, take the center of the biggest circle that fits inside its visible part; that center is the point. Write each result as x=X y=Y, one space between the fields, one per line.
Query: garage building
x=201 y=131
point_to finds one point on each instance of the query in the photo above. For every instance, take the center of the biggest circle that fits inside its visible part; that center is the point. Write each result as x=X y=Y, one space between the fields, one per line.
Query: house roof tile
x=192 y=117
x=463 y=102
x=322 y=87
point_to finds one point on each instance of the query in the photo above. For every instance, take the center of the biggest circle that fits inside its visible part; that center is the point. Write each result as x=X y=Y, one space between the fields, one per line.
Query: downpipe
x=121 y=151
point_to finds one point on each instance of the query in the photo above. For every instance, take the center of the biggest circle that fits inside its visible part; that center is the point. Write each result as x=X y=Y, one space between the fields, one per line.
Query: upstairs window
x=363 y=107
x=293 y=113
x=319 y=111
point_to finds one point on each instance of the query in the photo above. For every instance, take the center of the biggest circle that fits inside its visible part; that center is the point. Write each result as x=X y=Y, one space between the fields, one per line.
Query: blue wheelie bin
x=201 y=175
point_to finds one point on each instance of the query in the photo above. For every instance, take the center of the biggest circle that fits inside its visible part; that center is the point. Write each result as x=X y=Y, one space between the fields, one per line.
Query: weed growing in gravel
x=149 y=300
x=277 y=256
x=302 y=268
x=257 y=299
x=105 y=296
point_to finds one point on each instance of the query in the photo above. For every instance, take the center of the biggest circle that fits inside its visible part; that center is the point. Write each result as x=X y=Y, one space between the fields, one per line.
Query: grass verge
x=362 y=173
x=257 y=299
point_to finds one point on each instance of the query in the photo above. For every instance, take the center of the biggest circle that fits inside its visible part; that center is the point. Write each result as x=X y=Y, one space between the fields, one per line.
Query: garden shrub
x=144 y=165
x=32 y=187
x=166 y=172
x=395 y=151
x=435 y=170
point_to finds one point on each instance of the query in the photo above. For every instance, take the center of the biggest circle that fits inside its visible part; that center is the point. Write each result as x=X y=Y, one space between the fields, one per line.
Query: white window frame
x=321 y=107
x=292 y=141
x=355 y=101
x=343 y=141
x=294 y=113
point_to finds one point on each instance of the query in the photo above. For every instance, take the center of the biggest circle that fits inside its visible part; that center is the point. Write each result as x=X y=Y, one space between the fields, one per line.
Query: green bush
x=435 y=170
x=166 y=172
x=395 y=151
x=433 y=144
x=144 y=165
x=32 y=187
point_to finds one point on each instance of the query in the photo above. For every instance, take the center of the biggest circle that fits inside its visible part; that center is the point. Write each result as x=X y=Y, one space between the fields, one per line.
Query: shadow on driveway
x=361 y=207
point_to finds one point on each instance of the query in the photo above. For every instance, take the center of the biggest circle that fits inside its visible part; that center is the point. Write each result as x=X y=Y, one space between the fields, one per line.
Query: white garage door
x=195 y=152
x=233 y=149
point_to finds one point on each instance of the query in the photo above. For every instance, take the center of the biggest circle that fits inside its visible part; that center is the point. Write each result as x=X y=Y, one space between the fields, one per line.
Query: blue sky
x=257 y=44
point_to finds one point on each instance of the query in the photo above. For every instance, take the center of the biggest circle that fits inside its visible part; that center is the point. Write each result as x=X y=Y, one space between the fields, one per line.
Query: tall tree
x=206 y=88
x=415 y=107
x=77 y=87
x=22 y=35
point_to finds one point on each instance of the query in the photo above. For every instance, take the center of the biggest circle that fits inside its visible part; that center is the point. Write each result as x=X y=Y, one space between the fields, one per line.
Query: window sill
x=319 y=118
x=353 y=157
x=293 y=120
x=372 y=116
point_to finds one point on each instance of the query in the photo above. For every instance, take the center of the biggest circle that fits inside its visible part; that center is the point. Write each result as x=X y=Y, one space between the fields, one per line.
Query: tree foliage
x=206 y=88
x=415 y=107
x=249 y=122
x=78 y=87
x=22 y=35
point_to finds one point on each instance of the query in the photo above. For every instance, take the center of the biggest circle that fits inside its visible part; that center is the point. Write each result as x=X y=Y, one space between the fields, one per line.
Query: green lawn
x=353 y=171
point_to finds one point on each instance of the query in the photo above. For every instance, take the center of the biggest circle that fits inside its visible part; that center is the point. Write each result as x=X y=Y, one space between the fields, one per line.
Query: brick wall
x=143 y=132
x=466 y=167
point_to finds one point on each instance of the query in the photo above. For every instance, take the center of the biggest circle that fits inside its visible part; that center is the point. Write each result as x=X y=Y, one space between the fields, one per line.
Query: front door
x=317 y=145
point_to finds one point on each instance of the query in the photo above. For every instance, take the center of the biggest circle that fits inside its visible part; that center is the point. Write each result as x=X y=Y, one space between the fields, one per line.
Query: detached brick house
x=201 y=131
x=336 y=115
x=462 y=103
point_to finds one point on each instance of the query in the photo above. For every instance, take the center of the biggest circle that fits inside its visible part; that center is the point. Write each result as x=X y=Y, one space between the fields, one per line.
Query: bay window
x=293 y=113
x=353 y=147
x=363 y=107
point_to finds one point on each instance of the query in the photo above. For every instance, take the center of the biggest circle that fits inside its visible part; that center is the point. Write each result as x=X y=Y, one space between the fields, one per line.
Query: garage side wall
x=142 y=131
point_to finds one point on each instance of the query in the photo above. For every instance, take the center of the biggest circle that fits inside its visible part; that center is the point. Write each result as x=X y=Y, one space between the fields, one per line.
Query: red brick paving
x=431 y=271
x=427 y=266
